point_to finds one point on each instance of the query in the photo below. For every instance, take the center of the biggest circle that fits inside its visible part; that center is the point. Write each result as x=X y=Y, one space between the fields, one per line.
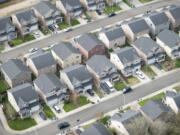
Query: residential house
x=7 y=29
x=136 y=28
x=157 y=21
x=173 y=14
x=149 y=50
x=123 y=122
x=77 y=78
x=172 y=100
x=96 y=129
x=93 y=5
x=41 y=63
x=155 y=110
x=126 y=59
x=47 y=13
x=89 y=45
x=102 y=69
x=25 y=21
x=170 y=42
x=66 y=55
x=51 y=89
x=15 y=72
x=24 y=100
x=113 y=2
x=70 y=8
x=113 y=38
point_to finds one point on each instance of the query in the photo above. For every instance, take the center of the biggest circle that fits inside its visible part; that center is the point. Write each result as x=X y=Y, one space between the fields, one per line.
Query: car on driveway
x=98 y=12
x=63 y=125
x=90 y=92
x=126 y=90
x=32 y=50
x=140 y=74
x=57 y=109
x=42 y=115
x=112 y=14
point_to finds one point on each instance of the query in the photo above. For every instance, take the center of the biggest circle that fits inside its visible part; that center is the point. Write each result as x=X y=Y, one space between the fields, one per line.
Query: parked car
x=126 y=90
x=112 y=14
x=63 y=125
x=33 y=50
x=98 y=12
x=90 y=92
x=42 y=115
x=140 y=74
x=68 y=30
x=109 y=86
x=104 y=88
x=57 y=109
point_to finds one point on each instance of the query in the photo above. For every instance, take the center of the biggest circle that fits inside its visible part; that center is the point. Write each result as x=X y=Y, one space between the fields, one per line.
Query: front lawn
x=145 y=1
x=119 y=86
x=69 y=106
x=148 y=71
x=177 y=63
x=128 y=3
x=3 y=86
x=74 y=22
x=156 y=97
x=63 y=25
x=1 y=48
x=168 y=64
x=45 y=31
x=132 y=80
x=111 y=9
x=48 y=112
x=20 y=40
x=21 y=124
x=177 y=88
x=104 y=120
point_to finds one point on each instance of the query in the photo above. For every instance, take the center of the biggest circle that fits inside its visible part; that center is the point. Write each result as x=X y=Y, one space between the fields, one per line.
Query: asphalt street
x=19 y=51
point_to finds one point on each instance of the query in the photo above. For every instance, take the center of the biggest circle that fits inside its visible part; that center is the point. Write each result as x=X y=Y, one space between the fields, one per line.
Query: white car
x=140 y=74
x=33 y=50
x=57 y=109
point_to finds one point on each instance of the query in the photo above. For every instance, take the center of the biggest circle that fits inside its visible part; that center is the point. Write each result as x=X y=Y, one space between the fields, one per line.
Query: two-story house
x=77 y=78
x=113 y=37
x=149 y=50
x=89 y=45
x=15 y=72
x=47 y=13
x=136 y=28
x=25 y=21
x=102 y=69
x=7 y=29
x=157 y=21
x=127 y=60
x=51 y=90
x=66 y=55
x=70 y=8
x=41 y=63
x=170 y=42
x=24 y=100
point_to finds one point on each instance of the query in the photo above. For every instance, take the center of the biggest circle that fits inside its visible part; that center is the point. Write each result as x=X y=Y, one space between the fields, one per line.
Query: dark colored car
x=90 y=92
x=112 y=14
x=42 y=115
x=105 y=88
x=63 y=125
x=98 y=12
x=126 y=90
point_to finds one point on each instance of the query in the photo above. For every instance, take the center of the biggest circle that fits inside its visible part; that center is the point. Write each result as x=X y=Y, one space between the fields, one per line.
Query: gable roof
x=14 y=68
x=175 y=12
x=5 y=23
x=158 y=18
x=147 y=45
x=48 y=83
x=24 y=94
x=69 y=4
x=177 y=99
x=170 y=38
x=100 y=63
x=138 y=25
x=154 y=109
x=96 y=129
x=88 y=41
x=64 y=50
x=127 y=54
x=43 y=60
x=114 y=33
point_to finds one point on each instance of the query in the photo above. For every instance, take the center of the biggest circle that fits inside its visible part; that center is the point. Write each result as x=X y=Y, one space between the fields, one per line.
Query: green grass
x=177 y=88
x=156 y=97
x=148 y=71
x=177 y=63
x=63 y=25
x=69 y=106
x=3 y=86
x=119 y=85
x=168 y=64
x=132 y=80
x=74 y=22
x=111 y=9
x=21 y=124
x=145 y=1
x=48 y=112
x=20 y=40
x=128 y=3
x=1 y=48
x=45 y=31
x=104 y=120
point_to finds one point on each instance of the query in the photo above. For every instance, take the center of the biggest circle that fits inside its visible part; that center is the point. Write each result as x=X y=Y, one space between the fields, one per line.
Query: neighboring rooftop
x=158 y=18
x=69 y=4
x=175 y=11
x=6 y=23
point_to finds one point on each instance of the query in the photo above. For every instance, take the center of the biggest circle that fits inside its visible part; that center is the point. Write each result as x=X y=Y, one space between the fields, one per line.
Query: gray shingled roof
x=114 y=33
x=71 y=3
x=127 y=55
x=88 y=41
x=170 y=38
x=64 y=50
x=138 y=25
x=147 y=45
x=14 y=68
x=5 y=24
x=158 y=18
x=154 y=109
x=24 y=93
x=99 y=63
x=96 y=129
x=177 y=99
x=43 y=60
x=48 y=83
x=77 y=73
x=46 y=9
x=175 y=11
x=126 y=117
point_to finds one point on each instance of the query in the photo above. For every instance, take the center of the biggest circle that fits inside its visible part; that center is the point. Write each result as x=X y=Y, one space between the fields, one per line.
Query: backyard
x=48 y=112
x=111 y=9
x=148 y=71
x=3 y=86
x=119 y=86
